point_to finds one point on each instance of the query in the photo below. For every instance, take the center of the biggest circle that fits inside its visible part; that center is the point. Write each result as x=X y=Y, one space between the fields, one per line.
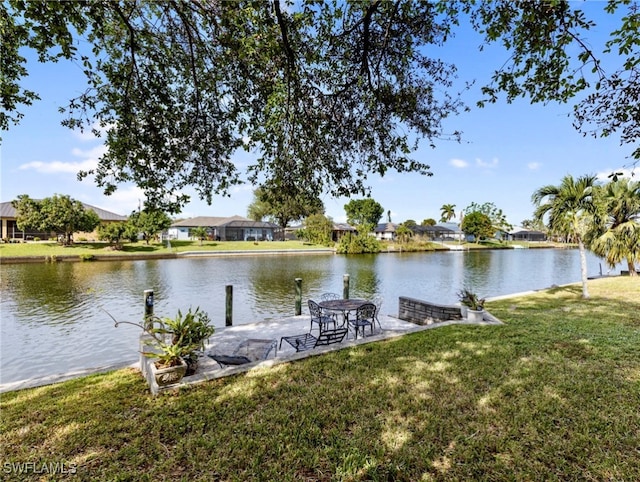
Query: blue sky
x=508 y=151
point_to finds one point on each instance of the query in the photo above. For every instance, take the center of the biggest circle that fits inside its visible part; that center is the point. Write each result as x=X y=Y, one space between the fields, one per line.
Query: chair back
x=314 y=309
x=329 y=296
x=366 y=312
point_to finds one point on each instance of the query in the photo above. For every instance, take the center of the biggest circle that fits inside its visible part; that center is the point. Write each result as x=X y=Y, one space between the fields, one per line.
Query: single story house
x=234 y=228
x=8 y=217
x=434 y=233
x=521 y=234
x=340 y=230
x=385 y=231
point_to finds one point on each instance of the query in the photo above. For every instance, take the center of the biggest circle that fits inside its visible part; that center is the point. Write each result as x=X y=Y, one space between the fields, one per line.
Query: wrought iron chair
x=329 y=296
x=365 y=316
x=334 y=313
x=319 y=317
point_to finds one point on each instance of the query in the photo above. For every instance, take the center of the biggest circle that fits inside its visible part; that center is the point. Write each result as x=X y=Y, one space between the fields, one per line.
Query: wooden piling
x=298 y=296
x=148 y=307
x=345 y=286
x=228 y=319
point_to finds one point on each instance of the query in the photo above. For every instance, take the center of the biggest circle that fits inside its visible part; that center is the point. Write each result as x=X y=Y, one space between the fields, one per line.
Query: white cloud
x=459 y=163
x=58 y=166
x=93 y=153
x=488 y=165
x=122 y=201
x=534 y=166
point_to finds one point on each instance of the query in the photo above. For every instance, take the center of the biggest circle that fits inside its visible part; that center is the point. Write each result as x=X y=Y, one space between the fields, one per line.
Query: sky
x=508 y=151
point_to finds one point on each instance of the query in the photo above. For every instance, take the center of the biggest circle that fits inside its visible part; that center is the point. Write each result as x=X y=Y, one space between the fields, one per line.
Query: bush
x=358 y=244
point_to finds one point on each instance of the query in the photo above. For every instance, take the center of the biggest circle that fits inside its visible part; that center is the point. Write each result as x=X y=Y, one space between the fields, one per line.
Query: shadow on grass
x=444 y=404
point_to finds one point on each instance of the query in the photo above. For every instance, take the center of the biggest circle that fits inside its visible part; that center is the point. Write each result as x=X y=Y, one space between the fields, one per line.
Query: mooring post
x=148 y=308
x=345 y=286
x=228 y=319
x=145 y=339
x=298 y=296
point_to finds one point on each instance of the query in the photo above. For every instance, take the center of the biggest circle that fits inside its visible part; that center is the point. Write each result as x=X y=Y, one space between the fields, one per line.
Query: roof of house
x=205 y=221
x=229 y=222
x=8 y=211
x=519 y=230
x=431 y=229
x=343 y=227
x=386 y=228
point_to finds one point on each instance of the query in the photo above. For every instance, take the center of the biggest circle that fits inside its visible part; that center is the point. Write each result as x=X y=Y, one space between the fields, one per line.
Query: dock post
x=148 y=308
x=228 y=317
x=345 y=286
x=298 y=296
x=145 y=340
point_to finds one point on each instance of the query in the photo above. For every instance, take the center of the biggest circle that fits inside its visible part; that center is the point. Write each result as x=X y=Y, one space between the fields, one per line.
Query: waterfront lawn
x=33 y=249
x=551 y=395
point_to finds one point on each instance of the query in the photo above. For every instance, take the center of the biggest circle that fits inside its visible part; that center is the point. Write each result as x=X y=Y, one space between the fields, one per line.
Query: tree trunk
x=583 y=268
x=632 y=267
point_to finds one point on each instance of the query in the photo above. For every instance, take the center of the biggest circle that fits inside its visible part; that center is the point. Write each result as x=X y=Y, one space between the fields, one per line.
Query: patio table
x=343 y=305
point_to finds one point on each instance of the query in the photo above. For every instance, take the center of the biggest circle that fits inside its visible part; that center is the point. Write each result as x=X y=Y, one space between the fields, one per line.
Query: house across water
x=234 y=228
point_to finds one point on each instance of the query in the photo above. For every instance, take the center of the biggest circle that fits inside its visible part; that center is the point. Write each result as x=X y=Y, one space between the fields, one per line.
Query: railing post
x=298 y=296
x=229 y=306
x=345 y=286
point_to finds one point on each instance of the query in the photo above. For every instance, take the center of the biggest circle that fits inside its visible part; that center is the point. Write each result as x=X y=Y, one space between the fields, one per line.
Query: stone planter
x=169 y=375
x=475 y=316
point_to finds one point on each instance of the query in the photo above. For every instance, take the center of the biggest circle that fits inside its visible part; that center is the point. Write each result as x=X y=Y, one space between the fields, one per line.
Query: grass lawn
x=141 y=248
x=554 y=394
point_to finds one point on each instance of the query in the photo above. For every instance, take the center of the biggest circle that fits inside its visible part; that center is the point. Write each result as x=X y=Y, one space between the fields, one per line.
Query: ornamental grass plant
x=553 y=394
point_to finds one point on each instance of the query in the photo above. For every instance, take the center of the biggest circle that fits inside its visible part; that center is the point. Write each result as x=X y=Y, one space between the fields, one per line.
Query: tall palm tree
x=620 y=237
x=571 y=207
x=447 y=212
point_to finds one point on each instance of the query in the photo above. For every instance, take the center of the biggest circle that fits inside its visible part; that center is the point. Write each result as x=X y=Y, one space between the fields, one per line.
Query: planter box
x=167 y=376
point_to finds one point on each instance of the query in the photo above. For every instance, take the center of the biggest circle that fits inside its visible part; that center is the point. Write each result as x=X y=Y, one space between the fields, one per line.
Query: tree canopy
x=324 y=93
x=496 y=216
x=59 y=213
x=283 y=207
x=364 y=213
x=477 y=224
x=150 y=222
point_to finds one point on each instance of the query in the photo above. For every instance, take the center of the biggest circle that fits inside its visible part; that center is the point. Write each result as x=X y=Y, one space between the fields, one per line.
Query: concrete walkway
x=226 y=339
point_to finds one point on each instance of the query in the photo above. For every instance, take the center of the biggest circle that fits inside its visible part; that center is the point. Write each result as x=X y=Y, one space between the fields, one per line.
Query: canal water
x=54 y=316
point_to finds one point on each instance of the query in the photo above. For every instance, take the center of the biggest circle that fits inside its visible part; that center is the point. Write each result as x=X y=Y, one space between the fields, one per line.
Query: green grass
x=554 y=394
x=141 y=248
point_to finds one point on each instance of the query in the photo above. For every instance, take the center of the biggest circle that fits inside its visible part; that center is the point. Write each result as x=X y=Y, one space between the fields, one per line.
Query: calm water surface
x=52 y=318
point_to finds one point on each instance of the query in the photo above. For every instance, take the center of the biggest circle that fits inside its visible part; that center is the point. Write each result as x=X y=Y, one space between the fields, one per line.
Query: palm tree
x=447 y=212
x=571 y=207
x=620 y=237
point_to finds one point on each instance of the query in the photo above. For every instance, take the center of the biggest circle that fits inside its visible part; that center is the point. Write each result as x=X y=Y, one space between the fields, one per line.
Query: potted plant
x=169 y=365
x=189 y=332
x=473 y=303
x=172 y=343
